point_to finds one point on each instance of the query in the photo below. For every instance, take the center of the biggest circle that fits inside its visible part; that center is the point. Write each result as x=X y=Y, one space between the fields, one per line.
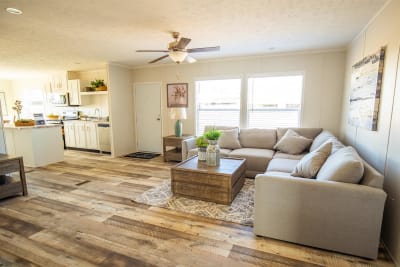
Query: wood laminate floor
x=79 y=213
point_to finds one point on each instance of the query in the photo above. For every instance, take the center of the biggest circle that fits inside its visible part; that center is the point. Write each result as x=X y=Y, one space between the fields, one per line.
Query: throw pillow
x=293 y=143
x=343 y=166
x=229 y=139
x=310 y=164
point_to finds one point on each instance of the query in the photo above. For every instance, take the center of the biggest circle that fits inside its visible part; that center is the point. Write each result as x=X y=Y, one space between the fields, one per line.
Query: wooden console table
x=174 y=154
x=10 y=164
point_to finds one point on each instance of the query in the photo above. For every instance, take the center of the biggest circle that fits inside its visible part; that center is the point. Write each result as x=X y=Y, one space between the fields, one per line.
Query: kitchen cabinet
x=81 y=134
x=58 y=83
x=69 y=134
x=74 y=90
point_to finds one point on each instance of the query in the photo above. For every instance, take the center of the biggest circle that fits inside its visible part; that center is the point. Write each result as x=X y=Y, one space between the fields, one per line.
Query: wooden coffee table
x=194 y=179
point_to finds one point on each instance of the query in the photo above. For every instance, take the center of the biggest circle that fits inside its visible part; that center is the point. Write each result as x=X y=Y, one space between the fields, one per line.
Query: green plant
x=201 y=141
x=212 y=134
x=97 y=83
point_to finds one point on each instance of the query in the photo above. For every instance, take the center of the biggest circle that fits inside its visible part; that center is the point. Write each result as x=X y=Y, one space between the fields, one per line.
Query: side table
x=174 y=154
x=10 y=164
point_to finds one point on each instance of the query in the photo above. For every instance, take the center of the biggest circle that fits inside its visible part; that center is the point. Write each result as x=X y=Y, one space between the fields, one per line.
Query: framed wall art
x=366 y=82
x=177 y=95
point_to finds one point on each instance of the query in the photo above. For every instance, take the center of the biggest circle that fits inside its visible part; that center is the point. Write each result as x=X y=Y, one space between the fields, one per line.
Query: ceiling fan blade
x=166 y=51
x=158 y=59
x=190 y=59
x=183 y=42
x=203 y=49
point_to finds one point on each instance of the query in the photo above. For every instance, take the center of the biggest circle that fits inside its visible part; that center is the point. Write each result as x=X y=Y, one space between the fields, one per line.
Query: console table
x=174 y=154
x=10 y=164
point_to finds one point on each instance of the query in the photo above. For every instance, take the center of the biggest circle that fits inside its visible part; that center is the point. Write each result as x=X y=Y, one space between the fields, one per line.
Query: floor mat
x=143 y=155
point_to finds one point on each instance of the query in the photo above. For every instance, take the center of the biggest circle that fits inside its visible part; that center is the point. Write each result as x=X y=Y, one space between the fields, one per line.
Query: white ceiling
x=58 y=34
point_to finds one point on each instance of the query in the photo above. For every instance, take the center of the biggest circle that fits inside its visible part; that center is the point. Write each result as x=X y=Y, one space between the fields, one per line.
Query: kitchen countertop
x=12 y=126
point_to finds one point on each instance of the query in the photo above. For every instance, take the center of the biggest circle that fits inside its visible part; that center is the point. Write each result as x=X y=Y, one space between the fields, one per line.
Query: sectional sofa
x=335 y=210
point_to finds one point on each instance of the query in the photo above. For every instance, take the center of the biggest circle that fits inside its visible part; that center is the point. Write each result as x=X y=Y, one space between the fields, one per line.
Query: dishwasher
x=103 y=132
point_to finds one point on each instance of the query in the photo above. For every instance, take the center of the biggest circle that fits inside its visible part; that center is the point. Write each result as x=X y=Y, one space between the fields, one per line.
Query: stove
x=66 y=116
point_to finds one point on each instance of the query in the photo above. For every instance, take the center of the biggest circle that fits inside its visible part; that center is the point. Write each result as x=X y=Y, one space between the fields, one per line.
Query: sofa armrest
x=187 y=145
x=330 y=215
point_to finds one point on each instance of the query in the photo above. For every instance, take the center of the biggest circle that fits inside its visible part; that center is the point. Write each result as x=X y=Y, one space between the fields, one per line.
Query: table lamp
x=178 y=114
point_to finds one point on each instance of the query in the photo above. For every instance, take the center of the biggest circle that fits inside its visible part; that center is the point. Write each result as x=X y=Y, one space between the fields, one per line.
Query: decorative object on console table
x=178 y=114
x=177 y=95
x=212 y=153
x=174 y=154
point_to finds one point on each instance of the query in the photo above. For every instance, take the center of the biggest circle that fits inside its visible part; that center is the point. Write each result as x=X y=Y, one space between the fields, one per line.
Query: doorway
x=147 y=103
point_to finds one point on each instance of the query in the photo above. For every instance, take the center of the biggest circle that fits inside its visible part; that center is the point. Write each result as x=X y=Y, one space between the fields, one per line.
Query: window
x=218 y=103
x=274 y=101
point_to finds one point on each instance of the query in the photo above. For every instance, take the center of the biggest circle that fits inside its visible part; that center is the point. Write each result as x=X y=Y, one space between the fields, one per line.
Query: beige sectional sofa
x=337 y=215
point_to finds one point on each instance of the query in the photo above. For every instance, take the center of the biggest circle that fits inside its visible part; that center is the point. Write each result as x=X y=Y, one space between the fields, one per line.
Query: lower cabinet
x=81 y=134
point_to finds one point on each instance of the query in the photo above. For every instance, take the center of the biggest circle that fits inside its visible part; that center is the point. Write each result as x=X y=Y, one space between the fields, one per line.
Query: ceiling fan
x=177 y=50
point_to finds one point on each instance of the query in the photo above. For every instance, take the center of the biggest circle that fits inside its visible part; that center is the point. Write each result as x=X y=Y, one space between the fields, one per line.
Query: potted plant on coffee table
x=212 y=152
x=201 y=143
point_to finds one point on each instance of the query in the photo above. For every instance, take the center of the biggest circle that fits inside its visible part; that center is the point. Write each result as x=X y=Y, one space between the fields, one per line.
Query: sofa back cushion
x=310 y=133
x=371 y=177
x=320 y=139
x=258 y=138
x=229 y=139
x=343 y=166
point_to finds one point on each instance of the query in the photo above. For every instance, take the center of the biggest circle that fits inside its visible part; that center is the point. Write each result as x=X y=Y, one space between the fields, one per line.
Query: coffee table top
x=227 y=166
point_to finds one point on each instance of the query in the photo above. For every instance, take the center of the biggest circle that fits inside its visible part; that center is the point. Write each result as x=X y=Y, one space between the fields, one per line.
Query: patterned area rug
x=240 y=211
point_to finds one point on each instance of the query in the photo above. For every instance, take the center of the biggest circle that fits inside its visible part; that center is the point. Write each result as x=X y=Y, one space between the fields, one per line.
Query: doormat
x=239 y=211
x=143 y=155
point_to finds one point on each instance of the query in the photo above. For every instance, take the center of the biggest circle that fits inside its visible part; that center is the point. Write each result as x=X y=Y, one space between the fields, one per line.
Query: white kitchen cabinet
x=58 y=83
x=69 y=134
x=91 y=135
x=74 y=90
x=80 y=134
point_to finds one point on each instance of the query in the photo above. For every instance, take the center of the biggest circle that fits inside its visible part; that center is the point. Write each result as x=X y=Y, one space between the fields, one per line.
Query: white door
x=80 y=134
x=69 y=134
x=74 y=92
x=148 y=117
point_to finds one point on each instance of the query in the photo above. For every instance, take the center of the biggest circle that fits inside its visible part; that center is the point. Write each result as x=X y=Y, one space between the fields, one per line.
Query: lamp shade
x=177 y=56
x=178 y=113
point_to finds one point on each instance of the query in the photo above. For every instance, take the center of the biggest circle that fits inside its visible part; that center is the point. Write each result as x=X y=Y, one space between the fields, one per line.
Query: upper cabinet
x=74 y=89
x=58 y=83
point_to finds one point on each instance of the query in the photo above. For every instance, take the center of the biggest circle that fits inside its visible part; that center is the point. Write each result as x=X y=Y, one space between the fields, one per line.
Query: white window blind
x=274 y=101
x=218 y=103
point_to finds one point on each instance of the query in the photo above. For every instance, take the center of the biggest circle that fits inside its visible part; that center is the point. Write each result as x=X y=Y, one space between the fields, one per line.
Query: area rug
x=240 y=211
x=143 y=155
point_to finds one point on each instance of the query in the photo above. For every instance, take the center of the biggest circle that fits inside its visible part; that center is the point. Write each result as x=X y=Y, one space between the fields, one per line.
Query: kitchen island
x=39 y=145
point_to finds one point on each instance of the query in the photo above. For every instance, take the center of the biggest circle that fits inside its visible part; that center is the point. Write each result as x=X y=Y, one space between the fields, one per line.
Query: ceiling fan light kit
x=177 y=50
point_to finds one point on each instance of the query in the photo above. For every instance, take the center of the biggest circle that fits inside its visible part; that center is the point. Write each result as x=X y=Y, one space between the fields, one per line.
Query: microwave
x=59 y=99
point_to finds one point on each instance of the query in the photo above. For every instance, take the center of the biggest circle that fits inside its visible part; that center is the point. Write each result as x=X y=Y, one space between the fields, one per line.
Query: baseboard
x=390 y=254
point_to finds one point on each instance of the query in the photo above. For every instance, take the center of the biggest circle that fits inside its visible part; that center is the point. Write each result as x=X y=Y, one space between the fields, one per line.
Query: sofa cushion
x=343 y=166
x=281 y=155
x=258 y=138
x=309 y=166
x=256 y=159
x=229 y=139
x=293 y=143
x=320 y=139
x=371 y=176
x=282 y=165
x=310 y=133
x=223 y=152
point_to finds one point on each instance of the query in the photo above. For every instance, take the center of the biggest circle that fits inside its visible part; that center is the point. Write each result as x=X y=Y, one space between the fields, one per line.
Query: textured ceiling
x=58 y=34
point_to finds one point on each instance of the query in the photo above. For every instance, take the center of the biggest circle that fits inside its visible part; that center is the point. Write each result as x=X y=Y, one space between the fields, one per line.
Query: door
x=80 y=134
x=91 y=135
x=74 y=92
x=148 y=117
x=69 y=134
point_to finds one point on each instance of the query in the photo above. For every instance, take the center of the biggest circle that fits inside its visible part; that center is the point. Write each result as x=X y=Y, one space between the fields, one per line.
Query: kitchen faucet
x=97 y=110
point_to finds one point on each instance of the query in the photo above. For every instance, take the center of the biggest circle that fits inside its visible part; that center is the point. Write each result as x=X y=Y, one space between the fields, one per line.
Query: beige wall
x=322 y=95
x=6 y=87
x=382 y=147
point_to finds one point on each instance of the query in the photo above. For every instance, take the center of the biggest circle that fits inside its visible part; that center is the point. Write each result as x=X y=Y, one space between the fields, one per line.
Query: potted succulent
x=201 y=143
x=99 y=85
x=212 y=152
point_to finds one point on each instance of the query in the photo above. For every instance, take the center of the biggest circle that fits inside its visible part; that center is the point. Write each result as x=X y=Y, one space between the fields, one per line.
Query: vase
x=202 y=153
x=212 y=154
